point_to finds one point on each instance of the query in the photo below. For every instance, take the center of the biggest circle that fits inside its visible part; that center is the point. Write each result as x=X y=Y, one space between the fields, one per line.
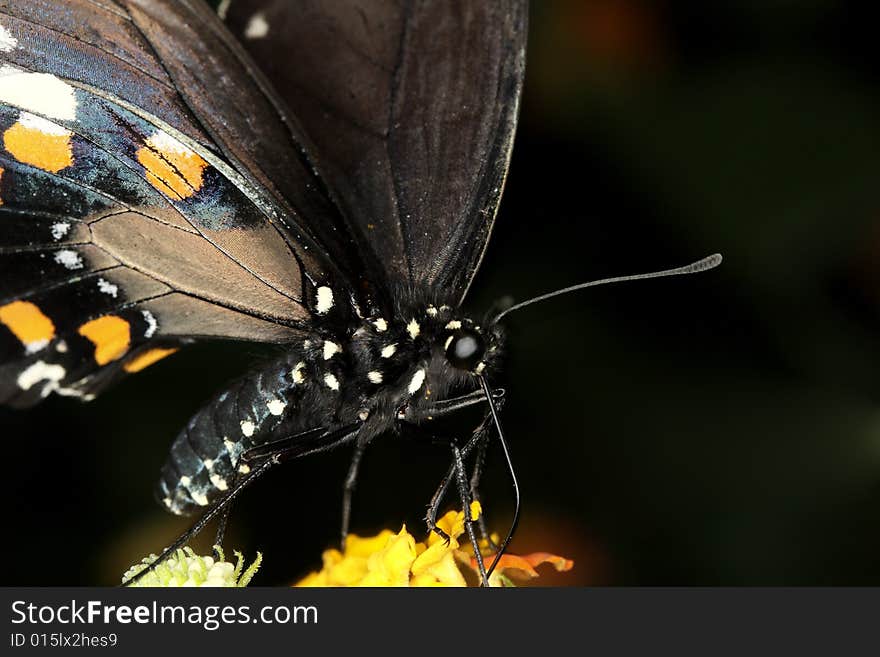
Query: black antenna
x=705 y=264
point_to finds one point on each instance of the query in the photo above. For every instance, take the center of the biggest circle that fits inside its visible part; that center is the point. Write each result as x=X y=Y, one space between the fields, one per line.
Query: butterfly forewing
x=412 y=111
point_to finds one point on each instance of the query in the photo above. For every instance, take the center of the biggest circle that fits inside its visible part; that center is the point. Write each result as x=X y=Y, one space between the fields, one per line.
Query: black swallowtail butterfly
x=156 y=190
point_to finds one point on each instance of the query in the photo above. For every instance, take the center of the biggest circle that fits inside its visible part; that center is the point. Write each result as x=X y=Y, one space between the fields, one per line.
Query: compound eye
x=466 y=349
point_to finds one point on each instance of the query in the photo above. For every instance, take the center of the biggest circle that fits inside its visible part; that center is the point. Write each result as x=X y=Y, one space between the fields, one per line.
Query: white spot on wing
x=331 y=382
x=244 y=468
x=60 y=230
x=165 y=143
x=69 y=259
x=219 y=482
x=108 y=288
x=67 y=392
x=374 y=376
x=39 y=124
x=199 y=498
x=8 y=43
x=413 y=329
x=152 y=324
x=276 y=406
x=330 y=349
x=388 y=350
x=248 y=428
x=35 y=346
x=454 y=324
x=417 y=381
x=209 y=463
x=431 y=311
x=381 y=325
x=37 y=92
x=298 y=376
x=257 y=27
x=325 y=300
x=185 y=481
x=41 y=371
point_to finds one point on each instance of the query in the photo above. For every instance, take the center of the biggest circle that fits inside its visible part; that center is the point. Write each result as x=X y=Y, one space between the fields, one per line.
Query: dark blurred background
x=717 y=429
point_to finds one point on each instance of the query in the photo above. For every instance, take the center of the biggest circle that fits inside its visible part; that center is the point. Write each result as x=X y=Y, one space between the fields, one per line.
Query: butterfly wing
x=412 y=110
x=150 y=193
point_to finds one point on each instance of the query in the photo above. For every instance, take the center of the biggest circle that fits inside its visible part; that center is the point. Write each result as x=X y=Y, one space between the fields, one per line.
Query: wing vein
x=392 y=101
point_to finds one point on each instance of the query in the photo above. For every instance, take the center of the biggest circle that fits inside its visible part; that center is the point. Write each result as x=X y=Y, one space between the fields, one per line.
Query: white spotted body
x=366 y=375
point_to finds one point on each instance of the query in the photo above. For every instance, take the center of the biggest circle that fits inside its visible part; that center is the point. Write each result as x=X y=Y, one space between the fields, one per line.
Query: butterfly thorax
x=371 y=373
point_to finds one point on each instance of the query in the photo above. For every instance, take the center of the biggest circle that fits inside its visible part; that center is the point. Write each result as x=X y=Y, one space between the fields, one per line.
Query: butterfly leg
x=308 y=442
x=481 y=442
x=476 y=475
x=434 y=505
x=437 y=410
x=464 y=494
x=479 y=463
x=348 y=489
x=222 y=523
x=480 y=435
x=221 y=529
x=493 y=412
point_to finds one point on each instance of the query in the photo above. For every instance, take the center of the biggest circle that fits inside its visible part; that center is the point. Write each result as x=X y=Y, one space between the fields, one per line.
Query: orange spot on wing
x=27 y=322
x=172 y=168
x=144 y=360
x=49 y=151
x=111 y=336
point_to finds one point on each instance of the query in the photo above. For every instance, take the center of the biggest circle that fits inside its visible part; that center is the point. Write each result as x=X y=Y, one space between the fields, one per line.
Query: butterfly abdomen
x=205 y=456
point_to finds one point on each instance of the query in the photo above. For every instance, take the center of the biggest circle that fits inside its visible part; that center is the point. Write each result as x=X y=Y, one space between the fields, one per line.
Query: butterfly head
x=443 y=354
x=427 y=352
x=458 y=345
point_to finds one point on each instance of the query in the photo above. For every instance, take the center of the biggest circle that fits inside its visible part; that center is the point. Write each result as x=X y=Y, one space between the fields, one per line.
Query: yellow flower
x=185 y=568
x=390 y=559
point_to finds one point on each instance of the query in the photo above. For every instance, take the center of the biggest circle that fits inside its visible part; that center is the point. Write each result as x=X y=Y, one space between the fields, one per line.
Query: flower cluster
x=387 y=559
x=397 y=559
x=185 y=568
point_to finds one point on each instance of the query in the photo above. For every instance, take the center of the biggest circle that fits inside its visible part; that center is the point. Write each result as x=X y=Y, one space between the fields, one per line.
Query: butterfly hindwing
x=412 y=111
